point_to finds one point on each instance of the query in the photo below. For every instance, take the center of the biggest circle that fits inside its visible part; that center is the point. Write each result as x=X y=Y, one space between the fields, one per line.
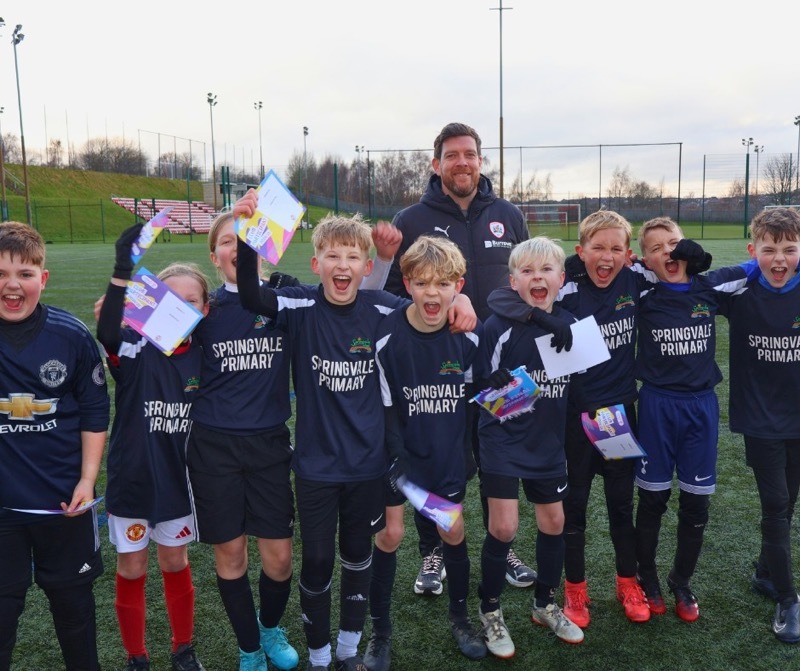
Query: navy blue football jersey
x=765 y=361
x=425 y=377
x=531 y=445
x=51 y=390
x=146 y=458
x=677 y=333
x=244 y=380
x=339 y=431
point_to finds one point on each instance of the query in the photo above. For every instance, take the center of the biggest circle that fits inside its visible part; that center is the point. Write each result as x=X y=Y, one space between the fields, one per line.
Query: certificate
x=155 y=312
x=86 y=505
x=516 y=397
x=588 y=349
x=275 y=220
x=610 y=432
x=150 y=231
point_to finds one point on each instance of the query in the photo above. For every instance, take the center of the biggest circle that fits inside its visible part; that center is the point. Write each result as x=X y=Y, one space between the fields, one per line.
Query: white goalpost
x=551 y=214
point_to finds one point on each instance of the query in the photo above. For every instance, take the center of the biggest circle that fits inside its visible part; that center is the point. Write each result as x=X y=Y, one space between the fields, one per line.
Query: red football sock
x=179 y=595
x=131 y=614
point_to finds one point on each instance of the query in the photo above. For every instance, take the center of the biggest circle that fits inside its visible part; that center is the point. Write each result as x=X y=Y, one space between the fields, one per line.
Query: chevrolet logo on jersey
x=25 y=407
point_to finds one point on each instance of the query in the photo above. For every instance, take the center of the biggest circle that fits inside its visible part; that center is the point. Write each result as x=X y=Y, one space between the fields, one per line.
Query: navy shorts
x=241 y=484
x=545 y=490
x=64 y=552
x=679 y=432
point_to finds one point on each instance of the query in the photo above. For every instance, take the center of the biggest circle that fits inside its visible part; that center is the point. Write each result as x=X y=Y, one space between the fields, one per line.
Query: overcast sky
x=390 y=75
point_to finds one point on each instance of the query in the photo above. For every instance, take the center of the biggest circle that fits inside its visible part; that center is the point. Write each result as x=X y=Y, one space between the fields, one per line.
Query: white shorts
x=129 y=534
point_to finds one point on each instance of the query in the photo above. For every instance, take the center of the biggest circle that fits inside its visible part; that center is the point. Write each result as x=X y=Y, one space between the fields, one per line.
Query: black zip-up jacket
x=486 y=235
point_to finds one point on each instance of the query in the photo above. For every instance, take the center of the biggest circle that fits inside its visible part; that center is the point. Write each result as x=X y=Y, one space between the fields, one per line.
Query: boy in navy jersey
x=54 y=412
x=764 y=388
x=339 y=459
x=599 y=283
x=425 y=371
x=678 y=408
x=147 y=494
x=529 y=448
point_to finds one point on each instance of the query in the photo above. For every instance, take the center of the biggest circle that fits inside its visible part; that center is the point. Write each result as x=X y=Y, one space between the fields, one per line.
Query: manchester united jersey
x=51 y=390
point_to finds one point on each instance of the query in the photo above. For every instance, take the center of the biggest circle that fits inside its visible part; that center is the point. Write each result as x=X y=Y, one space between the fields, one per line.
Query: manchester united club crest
x=53 y=373
x=135 y=532
x=498 y=229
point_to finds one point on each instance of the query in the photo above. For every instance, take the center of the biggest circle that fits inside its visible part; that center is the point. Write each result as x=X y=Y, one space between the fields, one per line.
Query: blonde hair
x=216 y=227
x=340 y=230
x=187 y=270
x=779 y=223
x=536 y=248
x=22 y=241
x=602 y=220
x=433 y=257
x=665 y=223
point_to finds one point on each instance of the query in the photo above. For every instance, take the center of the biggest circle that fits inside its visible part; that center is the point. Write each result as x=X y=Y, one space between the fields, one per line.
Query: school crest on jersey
x=53 y=373
x=360 y=345
x=498 y=229
x=260 y=322
x=623 y=302
x=450 y=368
x=192 y=384
x=700 y=310
x=796 y=323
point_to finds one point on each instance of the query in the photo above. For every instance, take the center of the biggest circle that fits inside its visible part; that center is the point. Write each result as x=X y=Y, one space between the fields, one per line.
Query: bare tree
x=11 y=148
x=54 y=154
x=736 y=189
x=777 y=176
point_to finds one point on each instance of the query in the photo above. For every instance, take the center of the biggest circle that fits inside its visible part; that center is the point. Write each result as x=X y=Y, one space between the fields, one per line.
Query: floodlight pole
x=258 y=105
x=16 y=38
x=747 y=143
x=212 y=100
x=3 y=205
x=760 y=150
x=500 y=11
x=305 y=170
x=797 y=165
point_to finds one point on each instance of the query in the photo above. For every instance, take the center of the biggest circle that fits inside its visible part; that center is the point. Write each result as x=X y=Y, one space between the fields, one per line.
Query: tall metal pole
x=797 y=165
x=759 y=150
x=305 y=170
x=500 y=11
x=3 y=206
x=212 y=100
x=258 y=105
x=747 y=144
x=16 y=38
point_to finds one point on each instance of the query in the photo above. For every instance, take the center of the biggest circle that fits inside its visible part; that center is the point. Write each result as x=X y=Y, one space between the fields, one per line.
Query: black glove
x=278 y=280
x=499 y=378
x=697 y=259
x=562 y=333
x=123 y=263
x=576 y=268
x=397 y=470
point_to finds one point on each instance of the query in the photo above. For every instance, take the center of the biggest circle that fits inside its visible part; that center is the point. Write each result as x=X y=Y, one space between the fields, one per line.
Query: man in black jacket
x=460 y=204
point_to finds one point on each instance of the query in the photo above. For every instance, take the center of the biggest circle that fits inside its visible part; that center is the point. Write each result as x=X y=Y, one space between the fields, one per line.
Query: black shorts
x=357 y=507
x=241 y=484
x=549 y=490
x=65 y=552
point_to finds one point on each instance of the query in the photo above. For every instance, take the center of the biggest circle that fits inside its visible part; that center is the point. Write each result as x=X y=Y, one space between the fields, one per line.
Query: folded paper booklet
x=610 y=432
x=157 y=313
x=435 y=508
x=275 y=220
x=86 y=505
x=150 y=231
x=517 y=397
